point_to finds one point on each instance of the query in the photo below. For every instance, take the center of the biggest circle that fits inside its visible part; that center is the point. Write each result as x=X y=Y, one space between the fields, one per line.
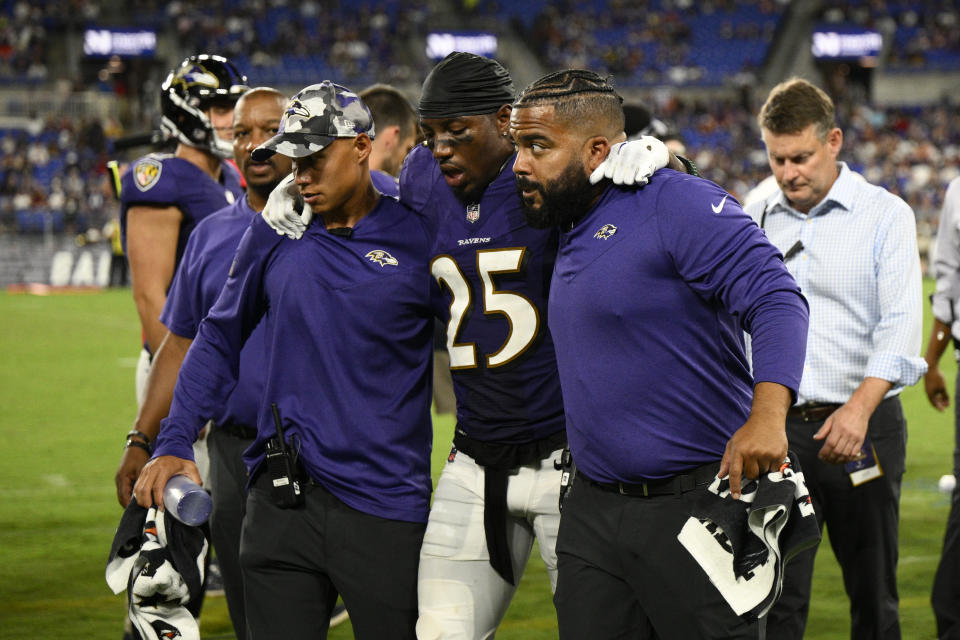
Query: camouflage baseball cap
x=315 y=117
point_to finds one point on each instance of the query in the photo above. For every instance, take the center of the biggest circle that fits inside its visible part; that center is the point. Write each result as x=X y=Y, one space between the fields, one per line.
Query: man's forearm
x=771 y=400
x=869 y=394
x=149 y=307
x=206 y=378
x=937 y=343
x=160 y=384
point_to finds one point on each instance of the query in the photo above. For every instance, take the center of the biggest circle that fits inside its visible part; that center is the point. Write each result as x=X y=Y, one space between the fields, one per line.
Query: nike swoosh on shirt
x=717 y=208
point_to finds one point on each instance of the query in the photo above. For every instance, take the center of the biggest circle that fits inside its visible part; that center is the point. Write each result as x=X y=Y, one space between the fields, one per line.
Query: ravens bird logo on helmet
x=196 y=75
x=189 y=91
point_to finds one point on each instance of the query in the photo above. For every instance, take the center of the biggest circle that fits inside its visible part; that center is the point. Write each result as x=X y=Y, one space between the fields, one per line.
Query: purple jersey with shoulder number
x=194 y=290
x=163 y=180
x=492 y=275
x=348 y=330
x=650 y=294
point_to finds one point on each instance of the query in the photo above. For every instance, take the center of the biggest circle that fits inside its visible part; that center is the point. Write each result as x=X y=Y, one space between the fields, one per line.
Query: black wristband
x=136 y=433
x=688 y=163
x=139 y=445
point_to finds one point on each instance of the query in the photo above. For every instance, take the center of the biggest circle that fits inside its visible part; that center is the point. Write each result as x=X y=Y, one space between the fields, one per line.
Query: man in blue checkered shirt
x=852 y=247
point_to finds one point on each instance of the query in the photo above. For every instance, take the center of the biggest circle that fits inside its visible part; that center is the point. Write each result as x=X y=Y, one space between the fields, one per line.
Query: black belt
x=675 y=485
x=812 y=411
x=238 y=430
x=498 y=455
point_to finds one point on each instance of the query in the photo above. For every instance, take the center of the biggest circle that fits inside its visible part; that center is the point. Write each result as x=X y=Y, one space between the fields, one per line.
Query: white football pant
x=460 y=595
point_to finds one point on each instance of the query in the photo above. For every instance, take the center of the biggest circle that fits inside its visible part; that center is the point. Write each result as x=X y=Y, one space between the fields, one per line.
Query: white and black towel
x=743 y=545
x=160 y=562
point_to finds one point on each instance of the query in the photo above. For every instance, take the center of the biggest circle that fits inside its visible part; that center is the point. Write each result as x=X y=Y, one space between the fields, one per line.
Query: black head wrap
x=464 y=84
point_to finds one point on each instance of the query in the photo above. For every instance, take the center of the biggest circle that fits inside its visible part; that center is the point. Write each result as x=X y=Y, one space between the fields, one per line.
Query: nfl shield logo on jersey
x=473 y=212
x=146 y=173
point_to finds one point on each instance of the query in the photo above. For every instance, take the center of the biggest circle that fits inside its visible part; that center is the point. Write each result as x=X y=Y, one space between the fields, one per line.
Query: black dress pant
x=623 y=573
x=863 y=524
x=296 y=561
x=228 y=480
x=946 y=584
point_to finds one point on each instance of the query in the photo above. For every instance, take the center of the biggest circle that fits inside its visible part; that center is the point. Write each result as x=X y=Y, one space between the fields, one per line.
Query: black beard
x=565 y=199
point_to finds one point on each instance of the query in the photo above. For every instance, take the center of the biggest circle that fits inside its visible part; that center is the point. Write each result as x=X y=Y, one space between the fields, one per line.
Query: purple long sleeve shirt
x=348 y=332
x=650 y=294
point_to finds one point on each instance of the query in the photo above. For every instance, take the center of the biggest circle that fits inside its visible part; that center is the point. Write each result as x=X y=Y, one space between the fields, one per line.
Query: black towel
x=160 y=562
x=743 y=545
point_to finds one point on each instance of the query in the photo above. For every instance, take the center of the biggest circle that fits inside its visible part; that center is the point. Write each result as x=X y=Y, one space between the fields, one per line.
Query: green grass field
x=66 y=401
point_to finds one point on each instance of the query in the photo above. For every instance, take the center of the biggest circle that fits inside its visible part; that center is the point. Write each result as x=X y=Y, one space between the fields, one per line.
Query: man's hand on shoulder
x=285 y=211
x=632 y=162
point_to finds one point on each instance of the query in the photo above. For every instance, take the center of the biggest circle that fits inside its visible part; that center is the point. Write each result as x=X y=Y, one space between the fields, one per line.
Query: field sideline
x=66 y=392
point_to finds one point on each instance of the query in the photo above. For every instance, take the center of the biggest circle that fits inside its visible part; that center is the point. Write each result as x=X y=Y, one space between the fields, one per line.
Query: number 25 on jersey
x=521 y=314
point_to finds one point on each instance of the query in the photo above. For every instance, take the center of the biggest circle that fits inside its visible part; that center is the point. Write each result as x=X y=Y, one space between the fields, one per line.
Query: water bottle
x=186 y=501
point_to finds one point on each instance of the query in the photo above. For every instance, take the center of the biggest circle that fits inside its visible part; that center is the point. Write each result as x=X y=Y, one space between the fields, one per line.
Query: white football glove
x=285 y=211
x=633 y=162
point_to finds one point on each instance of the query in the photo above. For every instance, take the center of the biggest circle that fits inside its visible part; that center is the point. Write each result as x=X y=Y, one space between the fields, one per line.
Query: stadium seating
x=23 y=42
x=656 y=42
x=52 y=181
x=925 y=33
x=60 y=185
x=357 y=42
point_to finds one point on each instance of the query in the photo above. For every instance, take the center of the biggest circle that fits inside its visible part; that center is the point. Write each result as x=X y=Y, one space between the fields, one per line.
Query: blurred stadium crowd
x=52 y=173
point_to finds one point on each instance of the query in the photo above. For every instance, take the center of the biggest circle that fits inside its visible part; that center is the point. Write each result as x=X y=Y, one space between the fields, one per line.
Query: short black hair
x=390 y=108
x=578 y=96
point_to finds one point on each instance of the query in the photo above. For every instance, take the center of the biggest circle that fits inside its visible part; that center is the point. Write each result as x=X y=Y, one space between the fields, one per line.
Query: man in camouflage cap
x=314 y=118
x=348 y=334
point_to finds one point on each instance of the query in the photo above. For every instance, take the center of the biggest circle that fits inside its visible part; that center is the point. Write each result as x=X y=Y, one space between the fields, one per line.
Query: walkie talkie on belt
x=282 y=468
x=569 y=472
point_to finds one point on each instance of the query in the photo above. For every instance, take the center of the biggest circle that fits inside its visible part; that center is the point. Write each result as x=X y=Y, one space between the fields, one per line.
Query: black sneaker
x=339 y=615
x=214 y=578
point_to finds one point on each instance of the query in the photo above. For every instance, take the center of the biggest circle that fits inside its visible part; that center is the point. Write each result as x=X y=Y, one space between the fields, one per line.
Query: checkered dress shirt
x=859 y=269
